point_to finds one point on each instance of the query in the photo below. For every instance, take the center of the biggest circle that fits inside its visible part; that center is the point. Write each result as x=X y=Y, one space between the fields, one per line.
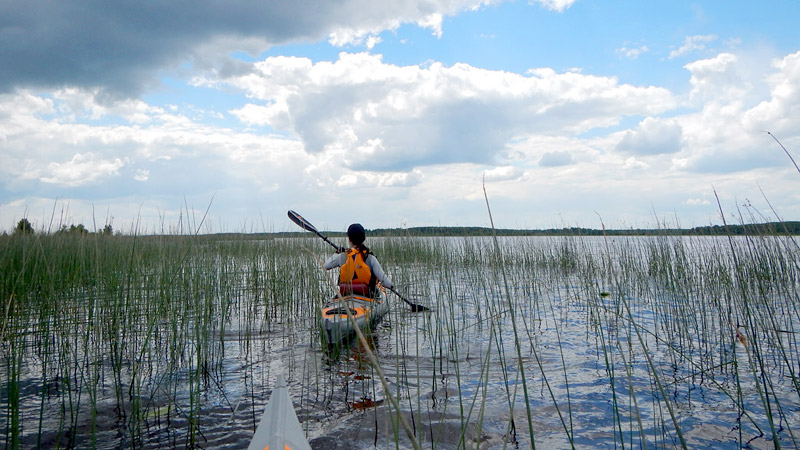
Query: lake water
x=594 y=343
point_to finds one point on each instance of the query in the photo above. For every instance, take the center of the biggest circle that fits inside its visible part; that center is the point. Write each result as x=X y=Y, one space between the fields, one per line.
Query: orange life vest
x=355 y=271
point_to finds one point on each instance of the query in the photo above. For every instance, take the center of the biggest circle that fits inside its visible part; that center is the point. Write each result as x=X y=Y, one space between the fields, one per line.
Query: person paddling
x=360 y=269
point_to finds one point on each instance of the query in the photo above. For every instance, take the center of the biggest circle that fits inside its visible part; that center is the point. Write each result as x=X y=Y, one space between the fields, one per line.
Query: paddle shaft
x=324 y=238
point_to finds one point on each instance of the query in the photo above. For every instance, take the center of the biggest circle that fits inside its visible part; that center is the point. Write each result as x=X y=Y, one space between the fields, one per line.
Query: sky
x=207 y=116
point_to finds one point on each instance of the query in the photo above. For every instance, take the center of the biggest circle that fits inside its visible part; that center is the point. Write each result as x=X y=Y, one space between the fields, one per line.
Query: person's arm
x=336 y=260
x=377 y=270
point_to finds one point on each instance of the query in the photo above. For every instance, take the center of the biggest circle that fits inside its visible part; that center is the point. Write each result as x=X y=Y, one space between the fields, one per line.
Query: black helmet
x=356 y=234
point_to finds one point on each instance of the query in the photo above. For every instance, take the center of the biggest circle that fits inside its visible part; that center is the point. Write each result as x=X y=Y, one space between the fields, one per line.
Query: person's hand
x=341 y=250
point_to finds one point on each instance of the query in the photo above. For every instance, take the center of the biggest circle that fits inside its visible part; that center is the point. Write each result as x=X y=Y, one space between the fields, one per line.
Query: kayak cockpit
x=341 y=315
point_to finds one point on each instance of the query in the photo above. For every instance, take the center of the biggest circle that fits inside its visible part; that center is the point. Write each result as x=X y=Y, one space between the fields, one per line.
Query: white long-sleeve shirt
x=338 y=259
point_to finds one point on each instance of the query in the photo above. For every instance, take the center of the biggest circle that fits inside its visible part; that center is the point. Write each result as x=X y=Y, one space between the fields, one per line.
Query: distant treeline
x=758 y=229
x=770 y=228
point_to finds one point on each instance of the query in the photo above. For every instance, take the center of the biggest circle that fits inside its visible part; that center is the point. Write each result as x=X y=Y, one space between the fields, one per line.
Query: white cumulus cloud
x=82 y=169
x=377 y=179
x=652 y=137
x=504 y=173
x=555 y=5
x=556 y=158
x=632 y=53
x=398 y=117
x=692 y=44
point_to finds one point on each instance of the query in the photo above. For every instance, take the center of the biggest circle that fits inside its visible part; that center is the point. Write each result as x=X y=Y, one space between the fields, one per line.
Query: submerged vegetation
x=116 y=341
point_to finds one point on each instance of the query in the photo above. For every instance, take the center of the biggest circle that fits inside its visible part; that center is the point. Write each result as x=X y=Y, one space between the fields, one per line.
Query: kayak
x=366 y=311
x=279 y=428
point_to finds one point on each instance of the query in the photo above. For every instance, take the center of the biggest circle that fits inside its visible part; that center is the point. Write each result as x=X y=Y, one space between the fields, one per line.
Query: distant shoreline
x=791 y=228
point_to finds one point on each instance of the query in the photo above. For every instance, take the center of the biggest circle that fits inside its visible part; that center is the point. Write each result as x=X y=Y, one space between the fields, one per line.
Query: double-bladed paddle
x=306 y=225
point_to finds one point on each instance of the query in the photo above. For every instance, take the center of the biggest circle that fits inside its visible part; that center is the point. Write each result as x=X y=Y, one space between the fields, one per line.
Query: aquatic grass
x=750 y=323
x=102 y=313
x=499 y=259
x=140 y=340
x=785 y=151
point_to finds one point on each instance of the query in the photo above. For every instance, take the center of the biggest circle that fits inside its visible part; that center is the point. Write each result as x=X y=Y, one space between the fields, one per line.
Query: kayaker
x=360 y=269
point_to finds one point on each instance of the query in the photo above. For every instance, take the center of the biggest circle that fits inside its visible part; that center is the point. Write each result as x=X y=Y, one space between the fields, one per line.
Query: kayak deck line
x=279 y=428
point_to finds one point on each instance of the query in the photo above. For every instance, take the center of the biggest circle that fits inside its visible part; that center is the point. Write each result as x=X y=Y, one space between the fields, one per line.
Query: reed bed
x=567 y=342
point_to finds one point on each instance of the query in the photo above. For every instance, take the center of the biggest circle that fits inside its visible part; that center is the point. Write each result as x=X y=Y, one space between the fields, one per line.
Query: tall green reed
x=141 y=317
x=141 y=327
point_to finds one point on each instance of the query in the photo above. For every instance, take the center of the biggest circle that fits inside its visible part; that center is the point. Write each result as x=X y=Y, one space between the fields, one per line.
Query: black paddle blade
x=414 y=307
x=301 y=222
